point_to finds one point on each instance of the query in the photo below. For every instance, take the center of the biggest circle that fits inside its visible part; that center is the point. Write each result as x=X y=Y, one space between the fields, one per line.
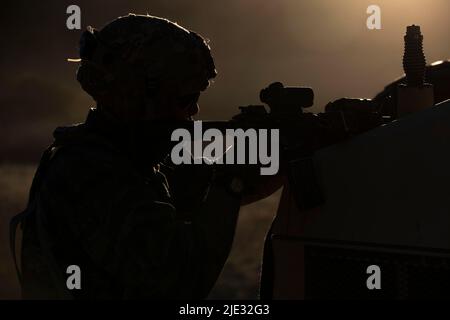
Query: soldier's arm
x=160 y=255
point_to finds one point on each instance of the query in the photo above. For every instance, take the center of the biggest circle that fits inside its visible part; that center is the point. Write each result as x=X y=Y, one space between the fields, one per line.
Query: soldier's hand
x=189 y=185
x=248 y=183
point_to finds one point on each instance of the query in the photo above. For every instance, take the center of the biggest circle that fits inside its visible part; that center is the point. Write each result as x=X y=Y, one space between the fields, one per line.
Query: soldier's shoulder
x=82 y=160
x=78 y=142
x=76 y=146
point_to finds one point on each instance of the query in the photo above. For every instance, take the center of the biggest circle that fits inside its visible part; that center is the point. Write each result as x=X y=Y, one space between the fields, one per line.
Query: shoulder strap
x=31 y=206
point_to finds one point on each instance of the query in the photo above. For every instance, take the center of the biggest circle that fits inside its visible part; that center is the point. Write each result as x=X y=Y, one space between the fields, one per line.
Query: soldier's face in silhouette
x=177 y=99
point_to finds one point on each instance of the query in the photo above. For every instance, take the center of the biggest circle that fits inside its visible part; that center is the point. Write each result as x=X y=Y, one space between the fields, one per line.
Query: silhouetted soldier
x=100 y=199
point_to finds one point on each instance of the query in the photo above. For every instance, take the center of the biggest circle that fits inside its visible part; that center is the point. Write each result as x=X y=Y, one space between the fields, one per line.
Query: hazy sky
x=319 y=43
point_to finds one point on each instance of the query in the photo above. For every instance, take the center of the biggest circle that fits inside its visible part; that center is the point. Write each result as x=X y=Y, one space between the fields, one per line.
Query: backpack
x=32 y=214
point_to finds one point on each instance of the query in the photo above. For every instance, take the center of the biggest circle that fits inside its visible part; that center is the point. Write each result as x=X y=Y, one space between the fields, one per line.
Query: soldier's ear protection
x=94 y=78
x=102 y=65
